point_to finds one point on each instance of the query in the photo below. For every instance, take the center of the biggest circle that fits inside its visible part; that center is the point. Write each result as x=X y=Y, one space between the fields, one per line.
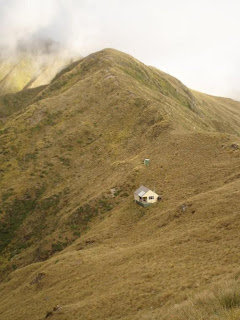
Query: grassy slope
x=86 y=133
x=221 y=301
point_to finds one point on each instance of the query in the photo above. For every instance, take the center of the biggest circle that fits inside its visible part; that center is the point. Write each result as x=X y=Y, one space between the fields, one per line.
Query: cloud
x=196 y=41
x=22 y=19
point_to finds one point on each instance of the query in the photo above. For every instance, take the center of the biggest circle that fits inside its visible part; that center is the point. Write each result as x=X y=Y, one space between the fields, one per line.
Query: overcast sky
x=195 y=41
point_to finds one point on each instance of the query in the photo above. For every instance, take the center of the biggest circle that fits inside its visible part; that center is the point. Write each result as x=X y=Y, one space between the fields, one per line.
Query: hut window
x=151 y=197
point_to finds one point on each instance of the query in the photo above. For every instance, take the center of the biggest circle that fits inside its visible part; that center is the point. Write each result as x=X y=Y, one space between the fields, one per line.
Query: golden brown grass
x=88 y=132
x=221 y=302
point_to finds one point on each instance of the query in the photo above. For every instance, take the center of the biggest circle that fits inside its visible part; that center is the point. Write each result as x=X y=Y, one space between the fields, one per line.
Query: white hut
x=145 y=196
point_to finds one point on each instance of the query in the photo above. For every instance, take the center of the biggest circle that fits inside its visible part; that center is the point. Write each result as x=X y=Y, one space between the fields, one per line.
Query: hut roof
x=141 y=191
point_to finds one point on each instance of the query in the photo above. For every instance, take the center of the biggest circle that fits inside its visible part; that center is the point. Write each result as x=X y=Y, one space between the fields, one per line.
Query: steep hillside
x=73 y=243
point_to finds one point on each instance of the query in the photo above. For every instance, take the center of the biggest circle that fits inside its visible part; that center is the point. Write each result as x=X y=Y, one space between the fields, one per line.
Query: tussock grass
x=220 y=303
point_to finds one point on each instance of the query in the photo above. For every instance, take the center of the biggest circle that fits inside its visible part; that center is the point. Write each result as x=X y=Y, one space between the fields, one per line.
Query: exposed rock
x=113 y=192
x=38 y=278
x=235 y=146
x=183 y=207
x=55 y=309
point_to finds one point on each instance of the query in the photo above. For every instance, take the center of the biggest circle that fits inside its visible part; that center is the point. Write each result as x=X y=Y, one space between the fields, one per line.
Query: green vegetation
x=11 y=103
x=59 y=246
x=15 y=213
x=153 y=80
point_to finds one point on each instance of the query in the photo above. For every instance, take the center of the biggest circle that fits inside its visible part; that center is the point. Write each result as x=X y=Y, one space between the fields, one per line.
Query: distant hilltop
x=34 y=63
